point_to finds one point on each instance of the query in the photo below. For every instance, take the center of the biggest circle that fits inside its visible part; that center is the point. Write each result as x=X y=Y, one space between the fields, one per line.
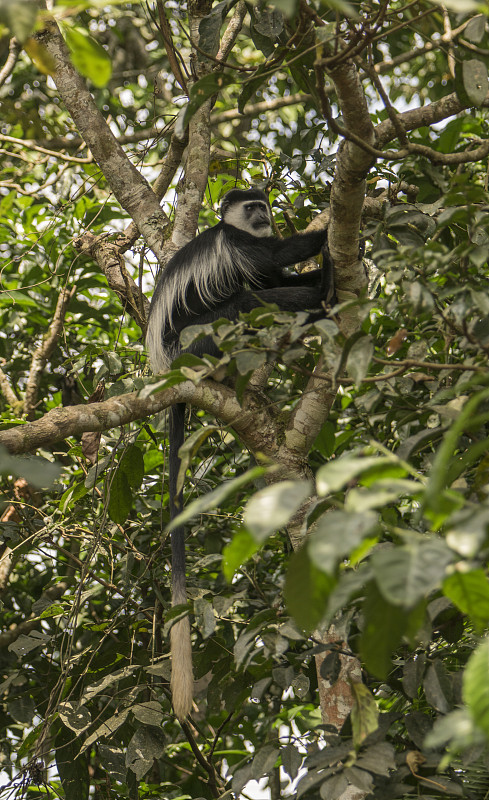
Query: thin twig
x=7 y=390
x=13 y=53
x=28 y=144
x=170 y=47
x=206 y=765
x=42 y=353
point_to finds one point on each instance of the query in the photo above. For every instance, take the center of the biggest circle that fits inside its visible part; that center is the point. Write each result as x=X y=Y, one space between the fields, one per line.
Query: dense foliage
x=392 y=582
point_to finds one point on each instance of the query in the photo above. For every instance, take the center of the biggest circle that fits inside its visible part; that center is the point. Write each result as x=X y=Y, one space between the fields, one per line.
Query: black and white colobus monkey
x=232 y=267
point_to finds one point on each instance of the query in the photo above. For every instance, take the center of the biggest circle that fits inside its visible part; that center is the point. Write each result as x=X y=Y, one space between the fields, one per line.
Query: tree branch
x=437 y=111
x=198 y=151
x=253 y=109
x=349 y=184
x=30 y=145
x=232 y=30
x=171 y=162
x=7 y=390
x=13 y=53
x=60 y=423
x=42 y=353
x=110 y=260
x=170 y=47
x=130 y=188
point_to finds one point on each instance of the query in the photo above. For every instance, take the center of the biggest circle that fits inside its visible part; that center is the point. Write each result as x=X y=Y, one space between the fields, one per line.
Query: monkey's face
x=258 y=216
x=252 y=216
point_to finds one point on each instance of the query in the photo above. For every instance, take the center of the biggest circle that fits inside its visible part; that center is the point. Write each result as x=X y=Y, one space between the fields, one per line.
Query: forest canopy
x=335 y=470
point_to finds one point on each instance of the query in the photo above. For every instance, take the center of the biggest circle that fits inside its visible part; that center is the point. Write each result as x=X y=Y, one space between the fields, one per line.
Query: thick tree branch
x=428 y=115
x=198 y=150
x=171 y=162
x=232 y=30
x=60 y=423
x=349 y=185
x=130 y=188
x=110 y=260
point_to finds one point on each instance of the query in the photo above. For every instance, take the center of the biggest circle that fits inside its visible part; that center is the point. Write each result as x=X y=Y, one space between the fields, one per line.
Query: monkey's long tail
x=182 y=679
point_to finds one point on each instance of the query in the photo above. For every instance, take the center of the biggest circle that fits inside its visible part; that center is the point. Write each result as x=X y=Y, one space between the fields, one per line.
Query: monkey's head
x=247 y=210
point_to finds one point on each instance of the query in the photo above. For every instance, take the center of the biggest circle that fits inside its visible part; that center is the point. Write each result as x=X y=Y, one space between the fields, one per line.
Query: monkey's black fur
x=226 y=270
x=230 y=268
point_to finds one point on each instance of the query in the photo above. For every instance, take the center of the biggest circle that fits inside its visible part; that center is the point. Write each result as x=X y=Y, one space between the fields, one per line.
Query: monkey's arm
x=296 y=248
x=270 y=255
x=322 y=279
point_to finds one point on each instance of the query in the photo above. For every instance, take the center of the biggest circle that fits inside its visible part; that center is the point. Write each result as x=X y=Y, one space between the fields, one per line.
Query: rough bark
x=130 y=188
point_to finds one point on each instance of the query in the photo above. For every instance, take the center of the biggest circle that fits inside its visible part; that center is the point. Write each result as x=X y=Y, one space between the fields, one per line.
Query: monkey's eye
x=256 y=206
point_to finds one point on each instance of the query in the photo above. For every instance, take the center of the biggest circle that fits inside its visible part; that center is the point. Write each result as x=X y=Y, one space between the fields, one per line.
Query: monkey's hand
x=328 y=292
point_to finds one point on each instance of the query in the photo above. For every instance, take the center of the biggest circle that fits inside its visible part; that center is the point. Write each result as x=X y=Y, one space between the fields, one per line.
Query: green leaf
x=471 y=81
x=379 y=759
x=437 y=687
x=107 y=728
x=89 y=58
x=476 y=686
x=170 y=379
x=469 y=591
x=25 y=644
x=30 y=740
x=364 y=714
x=475 y=29
x=74 y=715
x=262 y=764
x=249 y=360
x=269 y=22
x=383 y=629
x=72 y=768
x=250 y=86
x=306 y=590
x=190 y=448
x=146 y=745
x=205 y=617
x=120 y=498
x=210 y=26
x=217 y=496
x=359 y=358
x=237 y=552
x=381 y=495
x=291 y=760
x=325 y=441
x=150 y=713
x=342 y=471
x=412 y=674
x=433 y=499
x=336 y=535
x=262 y=43
x=38 y=471
x=272 y=508
x=72 y=495
x=112 y=760
x=287 y=7
x=94 y=689
x=132 y=465
x=406 y=575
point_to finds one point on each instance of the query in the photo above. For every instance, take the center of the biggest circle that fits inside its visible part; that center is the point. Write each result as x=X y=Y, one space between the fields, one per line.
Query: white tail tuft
x=182 y=679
